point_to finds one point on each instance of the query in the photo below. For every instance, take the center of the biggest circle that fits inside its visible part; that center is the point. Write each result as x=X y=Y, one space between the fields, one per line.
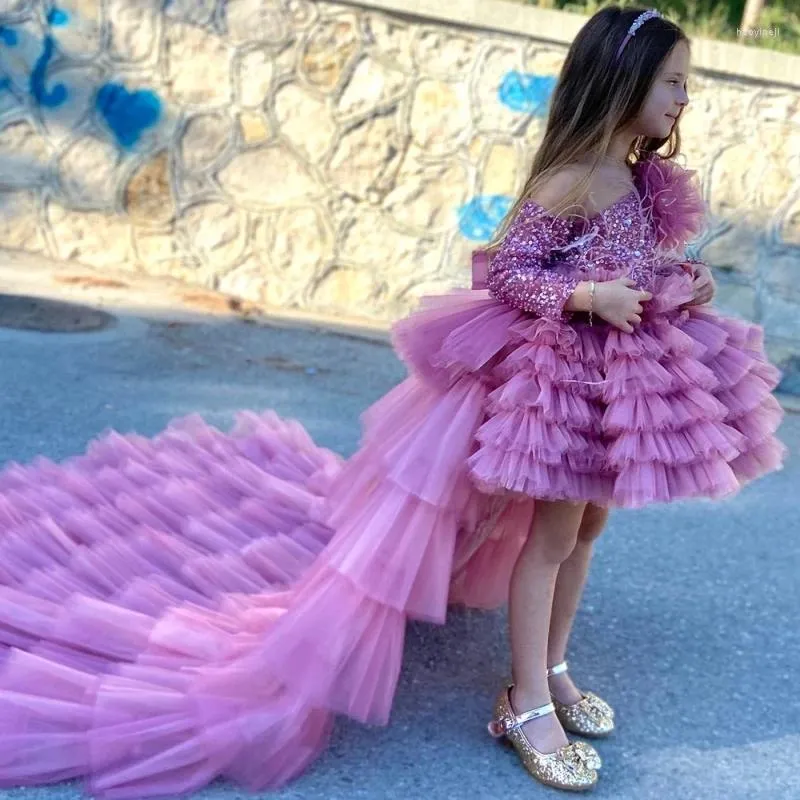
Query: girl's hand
x=619 y=304
x=703 y=285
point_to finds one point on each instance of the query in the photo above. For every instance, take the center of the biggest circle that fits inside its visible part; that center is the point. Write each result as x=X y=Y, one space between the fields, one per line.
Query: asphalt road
x=688 y=625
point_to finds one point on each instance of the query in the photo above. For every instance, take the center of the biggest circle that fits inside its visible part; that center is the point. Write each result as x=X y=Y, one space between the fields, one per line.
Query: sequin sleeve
x=524 y=274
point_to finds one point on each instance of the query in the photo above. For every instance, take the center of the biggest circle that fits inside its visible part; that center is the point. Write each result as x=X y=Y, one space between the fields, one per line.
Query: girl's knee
x=554 y=532
x=593 y=522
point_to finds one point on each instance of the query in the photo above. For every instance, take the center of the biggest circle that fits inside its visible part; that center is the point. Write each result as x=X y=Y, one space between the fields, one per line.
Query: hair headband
x=637 y=23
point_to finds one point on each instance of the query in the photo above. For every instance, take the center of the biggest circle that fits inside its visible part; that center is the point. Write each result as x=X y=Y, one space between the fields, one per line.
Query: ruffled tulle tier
x=680 y=408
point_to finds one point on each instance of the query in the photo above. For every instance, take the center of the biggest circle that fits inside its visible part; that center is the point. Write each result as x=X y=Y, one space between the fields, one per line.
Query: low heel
x=572 y=767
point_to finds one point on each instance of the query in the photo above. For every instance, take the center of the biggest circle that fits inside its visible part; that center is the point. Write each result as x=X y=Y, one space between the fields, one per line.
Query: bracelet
x=592 y=287
x=690 y=262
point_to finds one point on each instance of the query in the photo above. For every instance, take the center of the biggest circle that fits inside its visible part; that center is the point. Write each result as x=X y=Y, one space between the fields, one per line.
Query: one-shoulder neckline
x=596 y=216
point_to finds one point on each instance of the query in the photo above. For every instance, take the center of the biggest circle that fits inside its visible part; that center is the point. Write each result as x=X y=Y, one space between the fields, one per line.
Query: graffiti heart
x=527 y=93
x=126 y=113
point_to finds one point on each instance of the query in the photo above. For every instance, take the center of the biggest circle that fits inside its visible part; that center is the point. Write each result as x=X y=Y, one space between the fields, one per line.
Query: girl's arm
x=580 y=299
x=525 y=273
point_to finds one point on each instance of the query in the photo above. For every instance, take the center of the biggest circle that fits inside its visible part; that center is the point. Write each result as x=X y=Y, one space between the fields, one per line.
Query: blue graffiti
x=8 y=36
x=126 y=113
x=527 y=93
x=479 y=218
x=56 y=97
x=57 y=17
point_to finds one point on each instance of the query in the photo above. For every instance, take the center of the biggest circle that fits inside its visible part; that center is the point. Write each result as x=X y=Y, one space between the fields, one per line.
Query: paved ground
x=688 y=625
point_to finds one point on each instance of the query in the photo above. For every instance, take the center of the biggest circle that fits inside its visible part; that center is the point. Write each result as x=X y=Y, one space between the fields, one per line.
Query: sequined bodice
x=543 y=256
x=618 y=241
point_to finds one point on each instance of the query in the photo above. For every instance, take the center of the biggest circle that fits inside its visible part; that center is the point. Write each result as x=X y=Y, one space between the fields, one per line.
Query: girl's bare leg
x=566 y=599
x=551 y=540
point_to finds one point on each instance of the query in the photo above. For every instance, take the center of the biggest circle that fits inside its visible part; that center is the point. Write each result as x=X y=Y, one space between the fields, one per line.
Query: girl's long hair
x=595 y=97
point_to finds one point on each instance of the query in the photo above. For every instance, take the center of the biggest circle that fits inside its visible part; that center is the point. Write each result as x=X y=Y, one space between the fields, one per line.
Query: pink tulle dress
x=201 y=604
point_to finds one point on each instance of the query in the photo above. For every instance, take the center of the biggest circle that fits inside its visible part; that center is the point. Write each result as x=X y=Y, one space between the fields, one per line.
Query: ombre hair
x=597 y=95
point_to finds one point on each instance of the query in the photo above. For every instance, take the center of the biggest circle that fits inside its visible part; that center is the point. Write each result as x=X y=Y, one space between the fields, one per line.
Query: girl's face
x=667 y=96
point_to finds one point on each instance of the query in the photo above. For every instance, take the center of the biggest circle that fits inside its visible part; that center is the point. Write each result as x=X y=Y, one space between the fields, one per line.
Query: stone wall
x=344 y=158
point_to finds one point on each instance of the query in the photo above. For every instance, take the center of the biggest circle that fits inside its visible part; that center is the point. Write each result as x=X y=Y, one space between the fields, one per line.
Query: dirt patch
x=21 y=312
x=219 y=303
x=91 y=282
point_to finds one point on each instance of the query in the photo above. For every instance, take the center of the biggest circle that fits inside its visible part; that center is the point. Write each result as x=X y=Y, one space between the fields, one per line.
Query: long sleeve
x=522 y=273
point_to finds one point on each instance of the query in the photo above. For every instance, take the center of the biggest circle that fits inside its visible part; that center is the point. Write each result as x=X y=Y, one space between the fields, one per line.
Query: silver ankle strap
x=504 y=726
x=534 y=713
x=557 y=669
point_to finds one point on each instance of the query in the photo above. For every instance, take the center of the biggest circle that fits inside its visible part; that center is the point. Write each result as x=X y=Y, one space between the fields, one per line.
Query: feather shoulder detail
x=672 y=199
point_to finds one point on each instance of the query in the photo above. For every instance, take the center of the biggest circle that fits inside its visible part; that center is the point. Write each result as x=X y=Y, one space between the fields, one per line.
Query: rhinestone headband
x=637 y=23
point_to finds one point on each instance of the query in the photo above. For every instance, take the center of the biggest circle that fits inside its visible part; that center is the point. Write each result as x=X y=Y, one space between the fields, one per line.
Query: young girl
x=201 y=604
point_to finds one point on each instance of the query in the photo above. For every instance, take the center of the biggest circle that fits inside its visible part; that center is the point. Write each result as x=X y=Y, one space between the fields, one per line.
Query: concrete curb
x=152 y=297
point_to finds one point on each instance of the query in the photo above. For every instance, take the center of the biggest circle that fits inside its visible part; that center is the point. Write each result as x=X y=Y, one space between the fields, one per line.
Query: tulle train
x=201 y=604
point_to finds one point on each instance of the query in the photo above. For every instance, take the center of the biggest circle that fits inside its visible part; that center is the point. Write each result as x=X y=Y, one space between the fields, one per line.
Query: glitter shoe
x=590 y=716
x=573 y=766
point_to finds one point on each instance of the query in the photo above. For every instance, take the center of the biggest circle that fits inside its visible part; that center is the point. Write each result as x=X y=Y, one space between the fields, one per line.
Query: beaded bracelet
x=592 y=287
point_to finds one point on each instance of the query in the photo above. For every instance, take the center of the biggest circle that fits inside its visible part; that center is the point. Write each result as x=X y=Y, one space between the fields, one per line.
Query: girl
x=201 y=604
x=676 y=405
